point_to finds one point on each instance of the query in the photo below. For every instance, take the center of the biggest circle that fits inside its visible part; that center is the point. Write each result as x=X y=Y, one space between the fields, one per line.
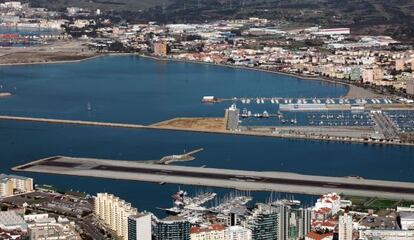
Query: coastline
x=352 y=91
x=52 y=62
x=5 y=94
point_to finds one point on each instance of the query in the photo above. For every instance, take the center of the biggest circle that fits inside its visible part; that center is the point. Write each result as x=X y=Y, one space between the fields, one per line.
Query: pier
x=224 y=178
x=71 y=122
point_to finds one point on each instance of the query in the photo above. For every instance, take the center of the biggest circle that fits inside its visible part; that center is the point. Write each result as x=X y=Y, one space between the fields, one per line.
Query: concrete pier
x=73 y=122
x=225 y=178
x=292 y=132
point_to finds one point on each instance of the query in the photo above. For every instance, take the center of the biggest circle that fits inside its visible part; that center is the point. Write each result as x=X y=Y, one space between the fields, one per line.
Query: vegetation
x=389 y=17
x=363 y=203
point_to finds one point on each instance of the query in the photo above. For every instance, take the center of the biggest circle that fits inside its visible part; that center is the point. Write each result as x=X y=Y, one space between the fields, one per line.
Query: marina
x=195 y=210
x=136 y=98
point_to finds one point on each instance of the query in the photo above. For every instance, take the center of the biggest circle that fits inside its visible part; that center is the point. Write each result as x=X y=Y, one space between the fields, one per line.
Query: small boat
x=244 y=113
x=265 y=114
x=89 y=106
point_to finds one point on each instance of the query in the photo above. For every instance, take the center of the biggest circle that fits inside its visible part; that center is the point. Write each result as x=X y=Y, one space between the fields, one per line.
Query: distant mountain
x=116 y=5
x=390 y=17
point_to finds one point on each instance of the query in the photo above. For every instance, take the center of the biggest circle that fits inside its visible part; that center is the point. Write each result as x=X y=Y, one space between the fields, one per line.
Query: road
x=384 y=125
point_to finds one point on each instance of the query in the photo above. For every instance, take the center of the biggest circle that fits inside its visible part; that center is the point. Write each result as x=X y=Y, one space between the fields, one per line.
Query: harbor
x=222 y=178
x=138 y=99
x=373 y=121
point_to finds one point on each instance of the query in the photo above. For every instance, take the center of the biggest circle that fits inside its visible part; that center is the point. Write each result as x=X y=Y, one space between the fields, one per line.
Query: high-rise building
x=264 y=222
x=410 y=87
x=305 y=222
x=173 y=228
x=378 y=73
x=283 y=223
x=345 y=227
x=399 y=64
x=114 y=213
x=11 y=184
x=160 y=49
x=139 y=227
x=368 y=75
x=294 y=222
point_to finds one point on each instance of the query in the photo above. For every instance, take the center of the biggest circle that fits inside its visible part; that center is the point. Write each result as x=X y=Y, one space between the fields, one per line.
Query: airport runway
x=226 y=178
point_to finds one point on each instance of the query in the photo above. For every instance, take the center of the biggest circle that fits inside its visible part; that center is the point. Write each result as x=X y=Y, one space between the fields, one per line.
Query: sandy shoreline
x=353 y=91
x=5 y=94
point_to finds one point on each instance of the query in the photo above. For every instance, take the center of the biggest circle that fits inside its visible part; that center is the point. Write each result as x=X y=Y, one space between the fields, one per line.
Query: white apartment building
x=238 y=233
x=10 y=184
x=114 y=213
x=345 y=227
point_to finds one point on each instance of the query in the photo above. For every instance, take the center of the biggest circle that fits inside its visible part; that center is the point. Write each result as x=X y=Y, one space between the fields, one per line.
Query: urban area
x=379 y=63
x=379 y=108
x=31 y=211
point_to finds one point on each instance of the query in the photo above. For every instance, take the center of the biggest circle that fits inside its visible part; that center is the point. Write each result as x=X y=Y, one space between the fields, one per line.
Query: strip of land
x=5 y=94
x=214 y=177
x=210 y=125
x=57 y=52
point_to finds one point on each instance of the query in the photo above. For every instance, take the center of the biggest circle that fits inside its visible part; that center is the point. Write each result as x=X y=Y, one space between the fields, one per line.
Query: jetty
x=218 y=125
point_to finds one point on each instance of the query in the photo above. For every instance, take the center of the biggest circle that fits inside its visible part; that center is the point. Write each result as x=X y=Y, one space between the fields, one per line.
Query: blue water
x=137 y=90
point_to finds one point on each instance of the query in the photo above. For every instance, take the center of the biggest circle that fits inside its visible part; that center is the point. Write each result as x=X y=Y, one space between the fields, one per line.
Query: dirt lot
x=194 y=123
x=59 y=51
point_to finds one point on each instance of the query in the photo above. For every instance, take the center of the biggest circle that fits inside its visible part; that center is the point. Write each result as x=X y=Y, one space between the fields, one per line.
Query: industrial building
x=11 y=221
x=41 y=226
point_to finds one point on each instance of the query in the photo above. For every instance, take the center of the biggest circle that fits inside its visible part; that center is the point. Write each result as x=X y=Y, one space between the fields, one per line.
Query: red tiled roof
x=215 y=227
x=317 y=236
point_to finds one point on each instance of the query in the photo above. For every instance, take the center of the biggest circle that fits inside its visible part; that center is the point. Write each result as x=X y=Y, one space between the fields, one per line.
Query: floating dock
x=225 y=178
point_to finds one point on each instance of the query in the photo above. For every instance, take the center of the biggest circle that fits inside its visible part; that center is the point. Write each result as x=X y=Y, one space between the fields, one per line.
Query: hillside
x=391 y=17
